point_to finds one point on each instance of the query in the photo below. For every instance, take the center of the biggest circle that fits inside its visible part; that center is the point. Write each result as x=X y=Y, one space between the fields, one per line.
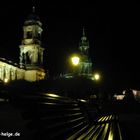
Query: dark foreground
x=11 y=120
x=129 y=118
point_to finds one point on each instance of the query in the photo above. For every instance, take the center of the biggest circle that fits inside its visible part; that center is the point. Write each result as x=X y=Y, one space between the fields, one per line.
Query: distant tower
x=85 y=67
x=31 y=51
x=84 y=44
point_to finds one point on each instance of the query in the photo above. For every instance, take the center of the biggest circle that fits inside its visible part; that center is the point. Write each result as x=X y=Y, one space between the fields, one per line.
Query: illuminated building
x=31 y=54
x=85 y=66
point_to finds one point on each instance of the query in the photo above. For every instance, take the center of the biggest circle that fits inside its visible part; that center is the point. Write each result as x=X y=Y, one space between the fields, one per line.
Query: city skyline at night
x=111 y=34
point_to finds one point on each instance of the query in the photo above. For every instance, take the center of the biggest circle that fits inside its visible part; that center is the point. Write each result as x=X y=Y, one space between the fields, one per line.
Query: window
x=29 y=35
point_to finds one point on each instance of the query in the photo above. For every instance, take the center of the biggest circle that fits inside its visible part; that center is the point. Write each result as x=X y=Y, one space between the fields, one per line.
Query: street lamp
x=6 y=80
x=96 y=77
x=75 y=60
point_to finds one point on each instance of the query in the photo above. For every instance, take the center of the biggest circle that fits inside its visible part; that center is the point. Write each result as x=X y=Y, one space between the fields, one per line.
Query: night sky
x=112 y=30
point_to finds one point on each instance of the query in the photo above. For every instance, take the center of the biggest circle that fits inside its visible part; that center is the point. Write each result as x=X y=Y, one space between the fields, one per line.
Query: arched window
x=29 y=35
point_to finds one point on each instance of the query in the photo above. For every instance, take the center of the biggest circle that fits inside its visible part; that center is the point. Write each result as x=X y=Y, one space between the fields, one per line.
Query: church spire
x=83 y=31
x=34 y=3
x=33 y=9
x=83 y=38
x=84 y=44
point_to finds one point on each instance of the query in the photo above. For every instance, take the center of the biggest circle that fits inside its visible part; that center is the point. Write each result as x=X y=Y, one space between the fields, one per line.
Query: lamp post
x=75 y=60
x=6 y=80
x=96 y=77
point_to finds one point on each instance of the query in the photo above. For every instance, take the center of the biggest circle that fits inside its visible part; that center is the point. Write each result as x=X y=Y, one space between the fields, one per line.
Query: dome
x=33 y=18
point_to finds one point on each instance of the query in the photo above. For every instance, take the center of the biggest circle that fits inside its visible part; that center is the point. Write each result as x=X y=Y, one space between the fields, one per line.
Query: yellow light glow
x=82 y=100
x=5 y=80
x=75 y=60
x=97 y=76
x=120 y=97
x=110 y=135
x=53 y=95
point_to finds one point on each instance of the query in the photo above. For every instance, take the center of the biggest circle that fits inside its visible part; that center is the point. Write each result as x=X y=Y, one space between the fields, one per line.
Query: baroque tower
x=31 y=50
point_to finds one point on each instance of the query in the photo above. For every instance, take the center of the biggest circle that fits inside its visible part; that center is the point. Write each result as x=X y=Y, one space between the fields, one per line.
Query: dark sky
x=112 y=30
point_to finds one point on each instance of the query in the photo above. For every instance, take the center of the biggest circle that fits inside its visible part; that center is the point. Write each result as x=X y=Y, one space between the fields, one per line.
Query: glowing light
x=6 y=80
x=82 y=100
x=134 y=92
x=97 y=76
x=123 y=92
x=110 y=135
x=75 y=60
x=53 y=95
x=120 y=97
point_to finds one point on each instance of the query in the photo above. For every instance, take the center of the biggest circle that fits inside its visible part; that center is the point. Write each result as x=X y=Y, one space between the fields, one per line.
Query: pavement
x=130 y=126
x=11 y=122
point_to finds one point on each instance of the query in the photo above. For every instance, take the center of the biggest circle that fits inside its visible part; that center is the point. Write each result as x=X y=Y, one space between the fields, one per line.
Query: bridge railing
x=51 y=116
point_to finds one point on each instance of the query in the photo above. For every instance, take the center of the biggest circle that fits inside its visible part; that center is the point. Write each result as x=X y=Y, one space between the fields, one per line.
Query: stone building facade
x=30 y=67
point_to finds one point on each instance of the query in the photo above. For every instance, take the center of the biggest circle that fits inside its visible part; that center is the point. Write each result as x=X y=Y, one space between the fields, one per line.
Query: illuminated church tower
x=85 y=66
x=31 y=51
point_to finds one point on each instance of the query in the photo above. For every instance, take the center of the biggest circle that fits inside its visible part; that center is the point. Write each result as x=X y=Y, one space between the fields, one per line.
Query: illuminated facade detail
x=31 y=51
x=10 y=71
x=31 y=54
x=119 y=97
x=82 y=61
x=85 y=66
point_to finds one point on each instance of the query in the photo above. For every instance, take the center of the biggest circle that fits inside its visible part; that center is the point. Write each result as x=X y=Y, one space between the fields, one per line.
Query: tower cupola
x=31 y=51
